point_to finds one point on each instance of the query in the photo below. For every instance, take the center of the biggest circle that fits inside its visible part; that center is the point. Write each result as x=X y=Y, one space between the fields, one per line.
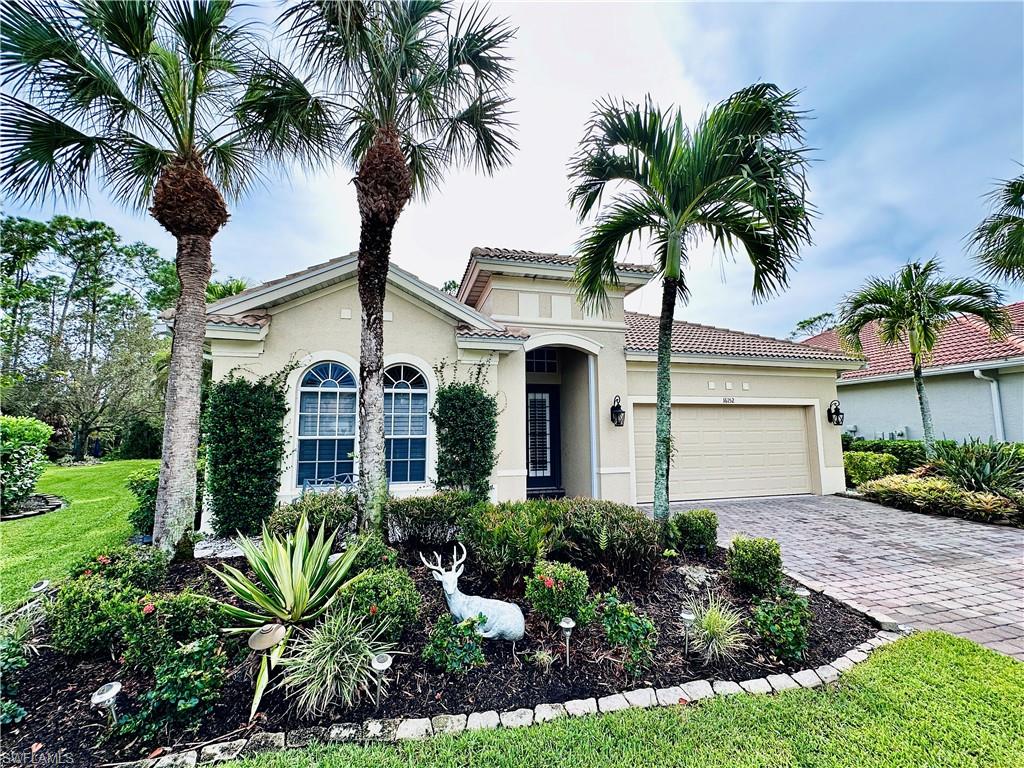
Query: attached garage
x=726 y=451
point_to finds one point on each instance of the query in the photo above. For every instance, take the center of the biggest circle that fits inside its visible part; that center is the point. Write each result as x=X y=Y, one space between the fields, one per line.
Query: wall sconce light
x=835 y=416
x=618 y=415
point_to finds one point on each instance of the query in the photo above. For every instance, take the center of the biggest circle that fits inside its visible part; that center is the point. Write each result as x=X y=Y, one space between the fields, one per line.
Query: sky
x=917 y=110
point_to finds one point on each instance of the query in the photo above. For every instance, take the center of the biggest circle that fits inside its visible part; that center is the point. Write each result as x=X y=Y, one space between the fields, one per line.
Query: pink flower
x=148 y=608
x=549 y=582
x=104 y=559
x=373 y=610
x=87 y=572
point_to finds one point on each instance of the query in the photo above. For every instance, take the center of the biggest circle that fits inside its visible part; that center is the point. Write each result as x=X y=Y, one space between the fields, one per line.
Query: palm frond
x=998 y=242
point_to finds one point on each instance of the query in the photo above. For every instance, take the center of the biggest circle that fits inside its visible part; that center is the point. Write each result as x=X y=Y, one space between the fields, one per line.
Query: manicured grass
x=45 y=547
x=928 y=700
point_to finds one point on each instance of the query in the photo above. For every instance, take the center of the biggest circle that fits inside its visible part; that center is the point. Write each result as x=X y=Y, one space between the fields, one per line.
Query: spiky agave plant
x=296 y=582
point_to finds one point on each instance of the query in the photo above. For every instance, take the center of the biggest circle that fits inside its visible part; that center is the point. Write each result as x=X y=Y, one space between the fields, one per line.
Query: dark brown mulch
x=55 y=691
x=36 y=504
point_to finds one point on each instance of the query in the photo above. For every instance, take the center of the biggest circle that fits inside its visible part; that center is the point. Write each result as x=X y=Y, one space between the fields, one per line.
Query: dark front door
x=543 y=441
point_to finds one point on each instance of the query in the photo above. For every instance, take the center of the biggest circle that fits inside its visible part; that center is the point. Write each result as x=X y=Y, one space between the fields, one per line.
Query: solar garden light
x=802 y=592
x=104 y=698
x=381 y=663
x=39 y=587
x=567 y=625
x=266 y=637
x=689 y=618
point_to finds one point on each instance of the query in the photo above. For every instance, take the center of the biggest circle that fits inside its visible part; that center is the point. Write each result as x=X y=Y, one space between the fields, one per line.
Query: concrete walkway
x=931 y=572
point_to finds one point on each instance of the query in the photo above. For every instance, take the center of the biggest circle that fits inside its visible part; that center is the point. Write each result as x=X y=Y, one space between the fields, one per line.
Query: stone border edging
x=53 y=503
x=419 y=728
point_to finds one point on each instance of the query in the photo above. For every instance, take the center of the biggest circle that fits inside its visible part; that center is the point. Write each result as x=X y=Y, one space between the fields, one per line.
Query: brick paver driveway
x=931 y=572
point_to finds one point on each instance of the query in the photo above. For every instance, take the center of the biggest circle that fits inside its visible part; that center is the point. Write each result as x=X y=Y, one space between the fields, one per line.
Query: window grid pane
x=327 y=423
x=405 y=424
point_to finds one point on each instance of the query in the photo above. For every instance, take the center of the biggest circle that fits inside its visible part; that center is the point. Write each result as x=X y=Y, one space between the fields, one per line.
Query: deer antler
x=439 y=568
x=456 y=560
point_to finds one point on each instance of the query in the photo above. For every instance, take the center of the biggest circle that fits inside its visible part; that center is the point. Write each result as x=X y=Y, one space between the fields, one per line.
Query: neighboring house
x=749 y=413
x=975 y=384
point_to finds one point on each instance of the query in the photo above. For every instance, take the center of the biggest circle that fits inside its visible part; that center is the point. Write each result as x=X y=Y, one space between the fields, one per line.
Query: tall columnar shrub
x=245 y=441
x=22 y=442
x=466 y=419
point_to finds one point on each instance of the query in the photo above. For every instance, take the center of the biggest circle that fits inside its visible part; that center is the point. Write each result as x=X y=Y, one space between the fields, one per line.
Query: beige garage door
x=726 y=451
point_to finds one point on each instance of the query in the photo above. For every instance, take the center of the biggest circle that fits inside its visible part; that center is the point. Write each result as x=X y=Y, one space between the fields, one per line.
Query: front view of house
x=748 y=414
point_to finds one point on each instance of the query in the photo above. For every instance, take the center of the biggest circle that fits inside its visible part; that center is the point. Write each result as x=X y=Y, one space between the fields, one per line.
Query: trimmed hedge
x=862 y=466
x=909 y=453
x=692 y=530
x=23 y=441
x=426 y=521
x=614 y=540
x=940 y=496
x=755 y=565
x=244 y=427
x=333 y=509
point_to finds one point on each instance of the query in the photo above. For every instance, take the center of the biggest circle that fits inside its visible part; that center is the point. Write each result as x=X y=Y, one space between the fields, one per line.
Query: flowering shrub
x=136 y=566
x=373 y=553
x=159 y=623
x=88 y=614
x=386 y=597
x=557 y=590
x=455 y=648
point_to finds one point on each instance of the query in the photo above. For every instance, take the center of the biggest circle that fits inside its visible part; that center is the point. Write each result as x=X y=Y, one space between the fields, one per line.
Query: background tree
x=23 y=242
x=170 y=106
x=998 y=242
x=738 y=177
x=423 y=88
x=812 y=326
x=911 y=308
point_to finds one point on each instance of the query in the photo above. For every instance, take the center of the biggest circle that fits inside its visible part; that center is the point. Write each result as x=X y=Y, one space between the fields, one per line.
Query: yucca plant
x=717 y=629
x=295 y=583
x=982 y=466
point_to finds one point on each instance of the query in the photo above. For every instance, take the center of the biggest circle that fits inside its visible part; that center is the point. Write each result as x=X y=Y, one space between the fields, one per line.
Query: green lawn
x=45 y=547
x=931 y=700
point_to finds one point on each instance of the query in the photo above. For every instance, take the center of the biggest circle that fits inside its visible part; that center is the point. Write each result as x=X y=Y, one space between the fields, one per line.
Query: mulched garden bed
x=56 y=690
x=36 y=504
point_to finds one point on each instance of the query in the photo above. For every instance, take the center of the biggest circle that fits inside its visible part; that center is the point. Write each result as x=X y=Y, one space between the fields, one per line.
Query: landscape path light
x=266 y=637
x=381 y=663
x=105 y=698
x=802 y=592
x=567 y=625
x=689 y=618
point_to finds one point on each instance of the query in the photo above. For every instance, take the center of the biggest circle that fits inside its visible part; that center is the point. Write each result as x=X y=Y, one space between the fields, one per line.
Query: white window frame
x=299 y=438
x=424 y=436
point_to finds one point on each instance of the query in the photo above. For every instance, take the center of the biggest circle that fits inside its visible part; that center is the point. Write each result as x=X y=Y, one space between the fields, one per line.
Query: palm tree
x=998 y=242
x=222 y=289
x=171 y=105
x=423 y=87
x=912 y=307
x=738 y=177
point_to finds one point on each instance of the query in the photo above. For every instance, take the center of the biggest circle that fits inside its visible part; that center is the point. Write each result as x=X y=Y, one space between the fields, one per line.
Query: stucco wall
x=1011 y=386
x=759 y=384
x=961 y=407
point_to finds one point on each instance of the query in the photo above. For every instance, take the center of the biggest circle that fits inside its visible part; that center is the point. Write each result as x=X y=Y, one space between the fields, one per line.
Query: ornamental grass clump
x=717 y=628
x=295 y=584
x=330 y=664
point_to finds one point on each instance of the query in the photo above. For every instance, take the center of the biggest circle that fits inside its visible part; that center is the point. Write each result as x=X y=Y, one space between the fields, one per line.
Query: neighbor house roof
x=695 y=339
x=484 y=261
x=963 y=342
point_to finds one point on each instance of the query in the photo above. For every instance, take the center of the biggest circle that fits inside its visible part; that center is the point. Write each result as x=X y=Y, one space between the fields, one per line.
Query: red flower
x=373 y=610
x=549 y=582
x=148 y=608
x=104 y=559
x=87 y=572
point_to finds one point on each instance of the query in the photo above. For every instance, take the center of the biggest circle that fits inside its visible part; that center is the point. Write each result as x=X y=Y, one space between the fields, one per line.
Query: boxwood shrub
x=334 y=509
x=755 y=565
x=862 y=466
x=385 y=596
x=426 y=521
x=941 y=496
x=556 y=590
x=693 y=530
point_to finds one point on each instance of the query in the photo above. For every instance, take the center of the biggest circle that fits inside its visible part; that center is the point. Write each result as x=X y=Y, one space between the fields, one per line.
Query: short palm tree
x=422 y=86
x=912 y=307
x=738 y=177
x=998 y=242
x=170 y=105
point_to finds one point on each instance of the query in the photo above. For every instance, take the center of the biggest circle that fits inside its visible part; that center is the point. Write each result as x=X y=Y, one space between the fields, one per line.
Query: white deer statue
x=502 y=621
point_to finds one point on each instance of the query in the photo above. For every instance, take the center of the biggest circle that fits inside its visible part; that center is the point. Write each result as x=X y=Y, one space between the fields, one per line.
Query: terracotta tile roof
x=963 y=341
x=254 y=319
x=485 y=333
x=535 y=257
x=696 y=339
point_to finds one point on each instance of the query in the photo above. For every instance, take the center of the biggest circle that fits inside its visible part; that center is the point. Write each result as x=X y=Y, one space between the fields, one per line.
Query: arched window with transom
x=405 y=424
x=327 y=425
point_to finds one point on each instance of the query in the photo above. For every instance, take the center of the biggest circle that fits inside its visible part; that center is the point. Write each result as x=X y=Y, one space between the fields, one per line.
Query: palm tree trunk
x=383 y=187
x=176 y=493
x=926 y=412
x=663 y=408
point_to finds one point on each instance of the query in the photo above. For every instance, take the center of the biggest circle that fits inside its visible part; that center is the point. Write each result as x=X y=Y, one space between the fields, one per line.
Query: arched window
x=327 y=424
x=405 y=424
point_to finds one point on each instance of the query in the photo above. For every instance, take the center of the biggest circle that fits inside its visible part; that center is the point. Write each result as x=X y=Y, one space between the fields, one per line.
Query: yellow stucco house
x=749 y=412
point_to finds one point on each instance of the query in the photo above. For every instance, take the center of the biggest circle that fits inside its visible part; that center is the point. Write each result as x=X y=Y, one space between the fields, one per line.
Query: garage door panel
x=726 y=451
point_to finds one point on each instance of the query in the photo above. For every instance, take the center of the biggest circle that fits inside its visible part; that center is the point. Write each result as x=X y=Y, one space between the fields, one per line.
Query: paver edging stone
x=423 y=727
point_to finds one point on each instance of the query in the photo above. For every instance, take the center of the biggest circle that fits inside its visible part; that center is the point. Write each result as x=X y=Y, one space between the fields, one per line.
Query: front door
x=543 y=441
